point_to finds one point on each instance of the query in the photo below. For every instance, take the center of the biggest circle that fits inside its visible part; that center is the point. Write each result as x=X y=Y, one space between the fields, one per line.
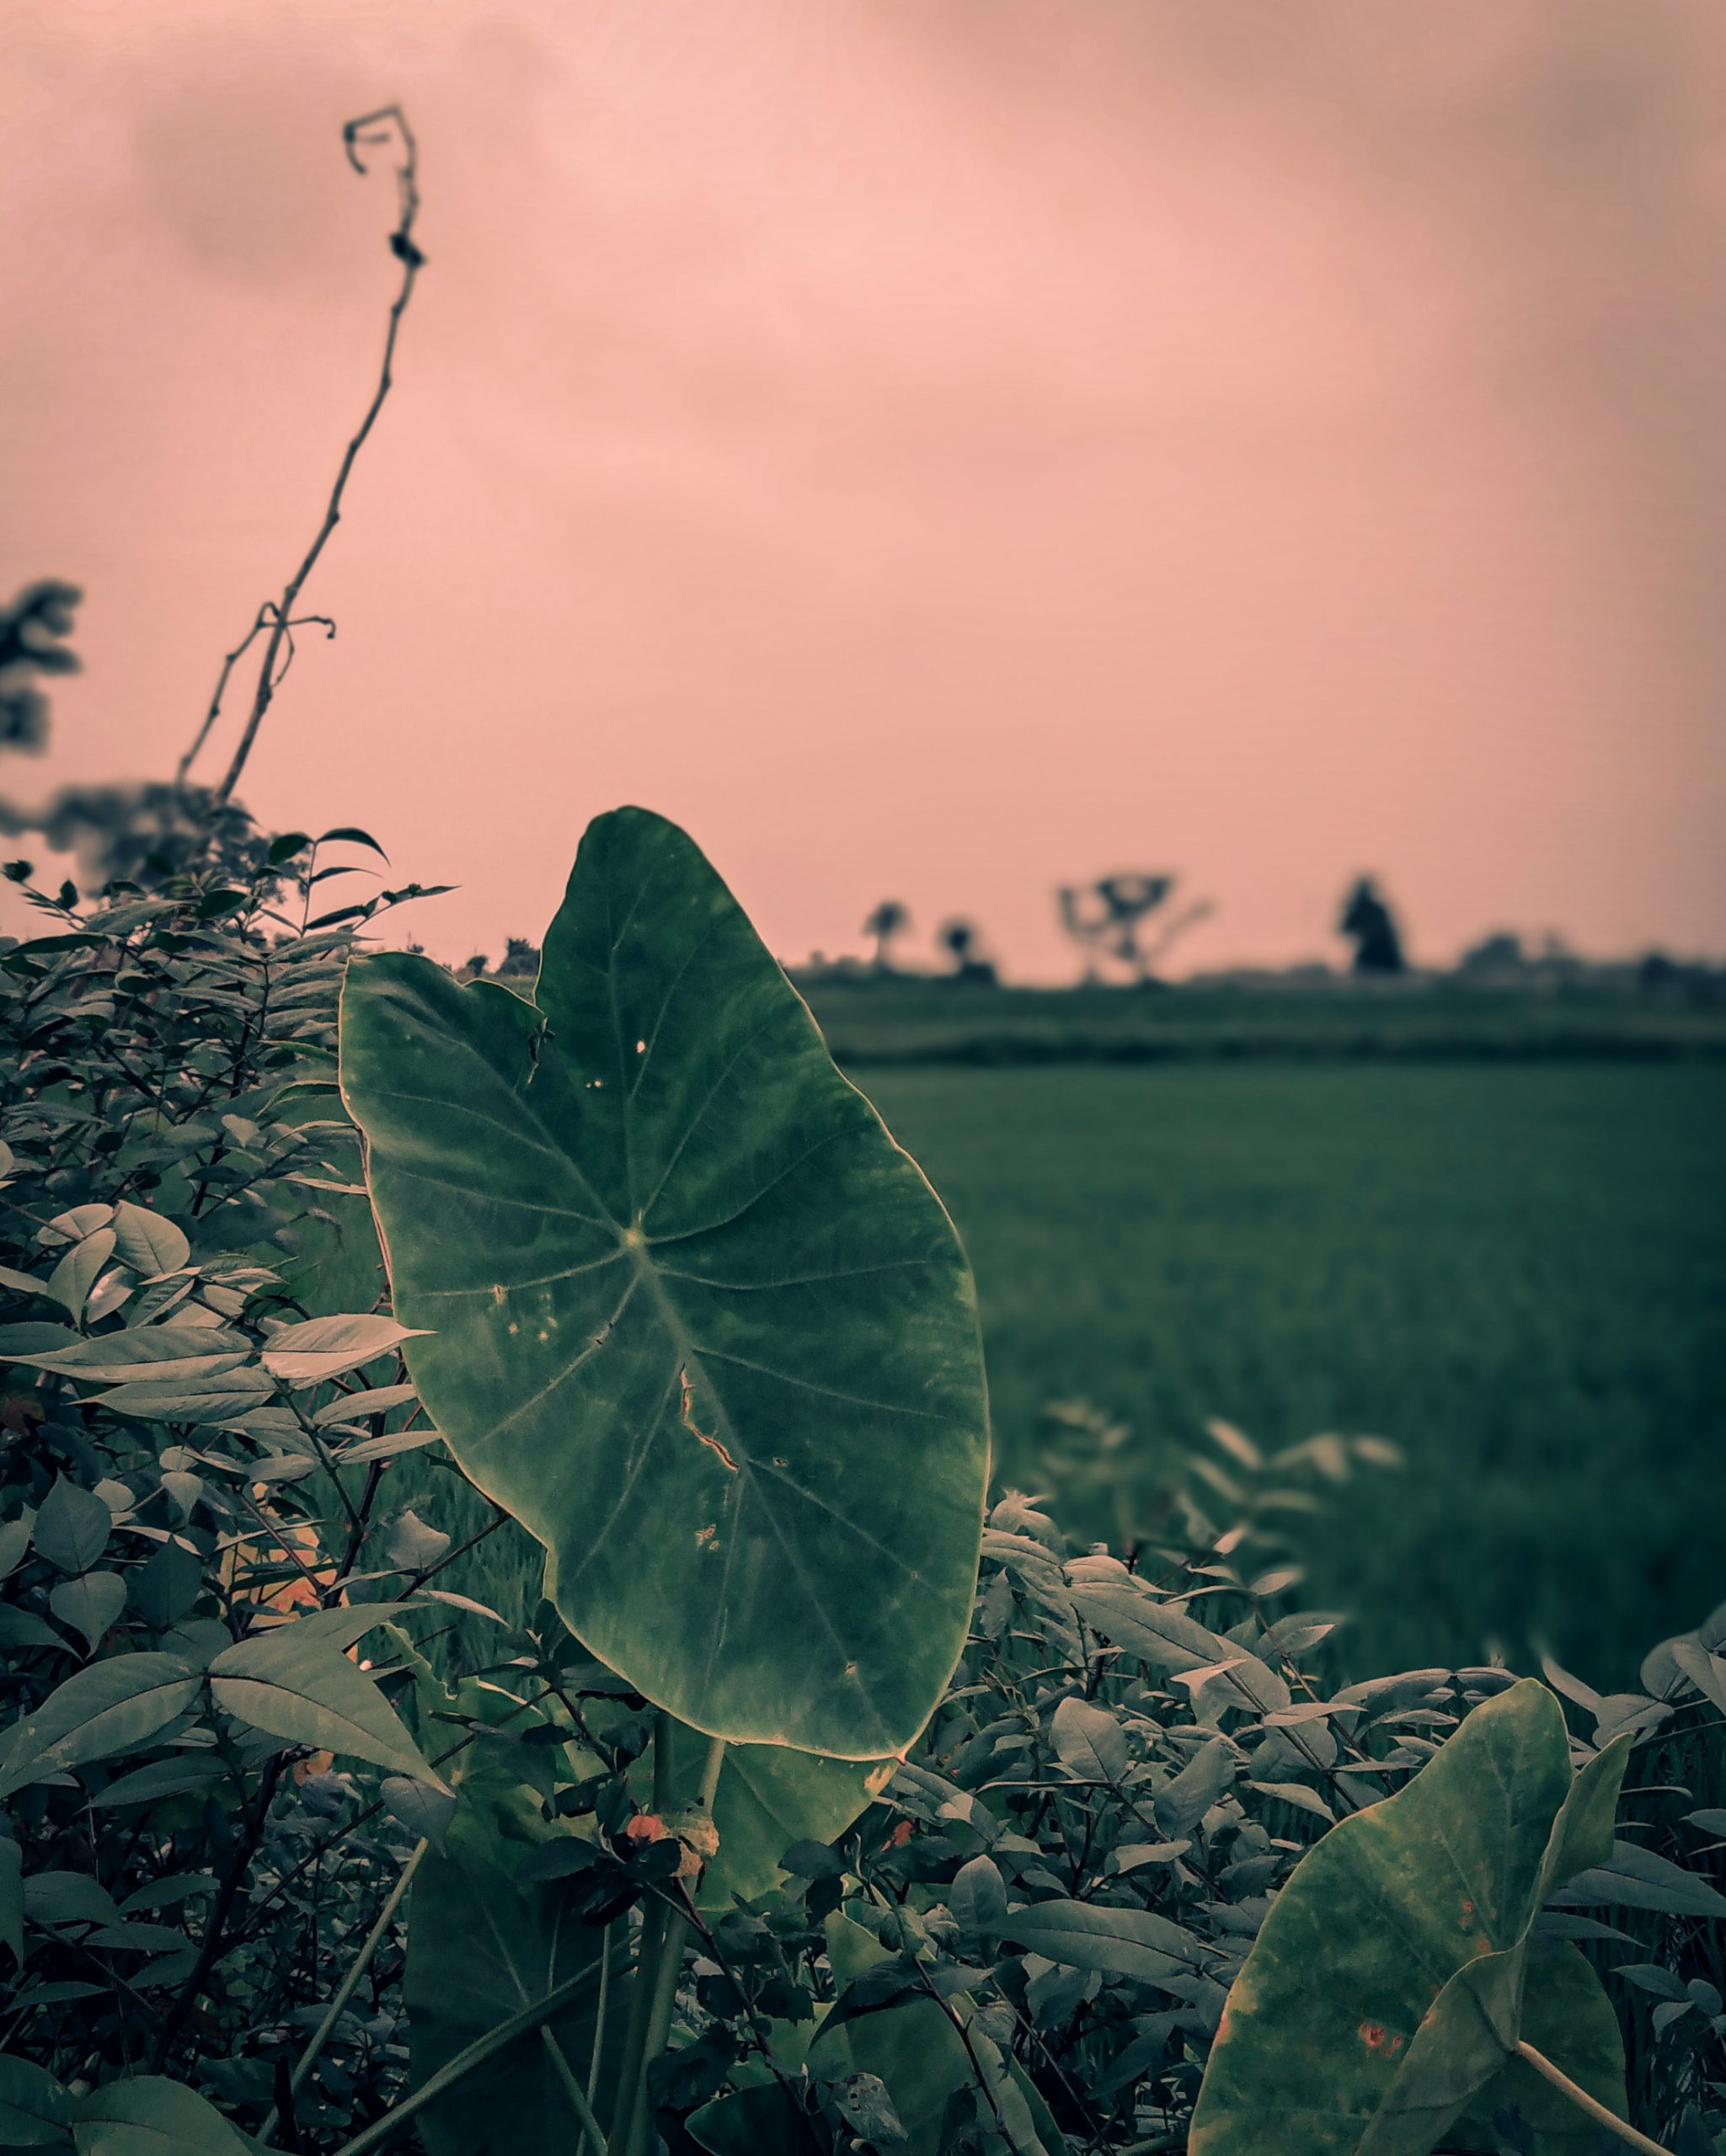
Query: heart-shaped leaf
x=479 y=1950
x=1387 y=1989
x=696 y=1319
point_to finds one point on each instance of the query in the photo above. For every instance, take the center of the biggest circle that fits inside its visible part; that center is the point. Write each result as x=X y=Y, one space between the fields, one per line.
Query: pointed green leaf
x=353 y=1407
x=71 y=1281
x=1632 y=1877
x=696 y=1319
x=72 y=1528
x=352 y=836
x=322 y=1347
x=219 y=1397
x=152 y=2117
x=978 y=1897
x=294 y=1683
x=1135 y=1943
x=112 y=1707
x=164 y=1587
x=175 y=1350
x=1154 y=1629
x=90 y=1604
x=1089 y=1740
x=160 y=1779
x=147 y=1242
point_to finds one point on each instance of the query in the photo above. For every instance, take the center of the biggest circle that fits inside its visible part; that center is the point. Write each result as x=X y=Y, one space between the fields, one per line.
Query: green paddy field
x=1517 y=1272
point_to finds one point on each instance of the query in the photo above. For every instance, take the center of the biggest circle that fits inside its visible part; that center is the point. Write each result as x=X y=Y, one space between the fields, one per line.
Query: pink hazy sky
x=935 y=448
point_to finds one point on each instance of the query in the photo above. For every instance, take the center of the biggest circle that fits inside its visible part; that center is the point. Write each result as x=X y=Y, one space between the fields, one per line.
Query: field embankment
x=908 y=1018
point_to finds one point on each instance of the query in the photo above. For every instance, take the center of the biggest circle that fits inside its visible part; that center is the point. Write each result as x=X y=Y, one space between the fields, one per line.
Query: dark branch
x=276 y=620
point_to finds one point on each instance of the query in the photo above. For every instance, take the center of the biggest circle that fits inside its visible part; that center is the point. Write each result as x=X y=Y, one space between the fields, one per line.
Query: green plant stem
x=712 y=1768
x=631 y=2071
x=526 y=2018
x=656 y=1988
x=591 y=2134
x=638 y=2142
x=1584 y=2102
x=599 y=2012
x=361 y=1962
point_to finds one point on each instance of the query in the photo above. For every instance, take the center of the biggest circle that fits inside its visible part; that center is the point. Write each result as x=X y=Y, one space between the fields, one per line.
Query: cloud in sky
x=938 y=448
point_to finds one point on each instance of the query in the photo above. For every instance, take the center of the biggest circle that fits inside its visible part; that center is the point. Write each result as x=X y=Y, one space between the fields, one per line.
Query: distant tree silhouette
x=33 y=633
x=520 y=959
x=889 y=920
x=964 y=944
x=1500 y=952
x=1113 y=915
x=1368 y=921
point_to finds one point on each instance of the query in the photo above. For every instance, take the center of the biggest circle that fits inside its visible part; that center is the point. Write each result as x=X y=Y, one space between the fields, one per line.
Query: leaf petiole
x=1584 y=2102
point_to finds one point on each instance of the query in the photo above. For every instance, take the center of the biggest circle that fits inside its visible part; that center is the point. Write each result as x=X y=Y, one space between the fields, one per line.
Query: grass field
x=1515 y=1270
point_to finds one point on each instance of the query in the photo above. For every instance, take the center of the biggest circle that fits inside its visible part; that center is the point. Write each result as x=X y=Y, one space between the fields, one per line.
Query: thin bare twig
x=276 y=620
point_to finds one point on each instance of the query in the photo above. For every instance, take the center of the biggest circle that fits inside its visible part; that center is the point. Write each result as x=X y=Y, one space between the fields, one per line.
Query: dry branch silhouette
x=276 y=620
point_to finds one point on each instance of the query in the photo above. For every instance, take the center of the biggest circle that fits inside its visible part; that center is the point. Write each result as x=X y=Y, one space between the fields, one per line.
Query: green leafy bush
x=291 y=1863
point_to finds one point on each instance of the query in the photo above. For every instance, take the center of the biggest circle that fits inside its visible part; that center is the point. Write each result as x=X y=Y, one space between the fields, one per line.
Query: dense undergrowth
x=1020 y=1937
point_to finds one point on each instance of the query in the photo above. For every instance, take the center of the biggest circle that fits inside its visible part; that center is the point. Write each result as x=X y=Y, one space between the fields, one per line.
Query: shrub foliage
x=290 y=1863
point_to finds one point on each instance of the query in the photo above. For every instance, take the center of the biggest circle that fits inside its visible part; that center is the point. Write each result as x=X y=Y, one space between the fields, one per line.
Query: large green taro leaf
x=693 y=1317
x=479 y=1950
x=1386 y=1992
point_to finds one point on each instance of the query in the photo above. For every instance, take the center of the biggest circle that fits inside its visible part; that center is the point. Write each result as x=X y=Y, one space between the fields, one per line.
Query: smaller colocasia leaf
x=1385 y=1993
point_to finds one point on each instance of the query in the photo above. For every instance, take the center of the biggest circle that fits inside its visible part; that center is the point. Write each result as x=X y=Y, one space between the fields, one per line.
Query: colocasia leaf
x=656 y=1243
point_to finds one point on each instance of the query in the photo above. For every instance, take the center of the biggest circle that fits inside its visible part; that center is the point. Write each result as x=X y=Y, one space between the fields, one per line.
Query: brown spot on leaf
x=687 y=1418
